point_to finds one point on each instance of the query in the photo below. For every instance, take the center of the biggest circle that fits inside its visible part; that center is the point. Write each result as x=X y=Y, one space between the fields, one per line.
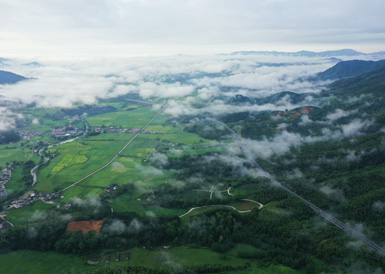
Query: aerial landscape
x=215 y=148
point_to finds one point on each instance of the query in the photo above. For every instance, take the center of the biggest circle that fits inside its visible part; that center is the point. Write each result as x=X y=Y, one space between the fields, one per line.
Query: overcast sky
x=151 y=27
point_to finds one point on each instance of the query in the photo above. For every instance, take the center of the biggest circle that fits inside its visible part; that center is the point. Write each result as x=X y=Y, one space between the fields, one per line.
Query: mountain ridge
x=346 y=69
x=7 y=77
x=330 y=53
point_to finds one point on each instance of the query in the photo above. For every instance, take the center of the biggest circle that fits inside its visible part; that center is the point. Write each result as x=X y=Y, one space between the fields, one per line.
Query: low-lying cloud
x=91 y=201
x=8 y=118
x=187 y=79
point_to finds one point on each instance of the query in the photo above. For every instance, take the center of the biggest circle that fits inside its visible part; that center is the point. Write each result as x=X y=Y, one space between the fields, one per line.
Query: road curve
x=192 y=209
x=322 y=213
x=113 y=159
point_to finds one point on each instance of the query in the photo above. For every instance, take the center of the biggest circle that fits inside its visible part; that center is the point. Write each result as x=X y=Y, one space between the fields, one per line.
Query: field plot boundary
x=113 y=159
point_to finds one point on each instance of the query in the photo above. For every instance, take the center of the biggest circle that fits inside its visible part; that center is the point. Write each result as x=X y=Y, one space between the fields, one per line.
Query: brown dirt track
x=85 y=226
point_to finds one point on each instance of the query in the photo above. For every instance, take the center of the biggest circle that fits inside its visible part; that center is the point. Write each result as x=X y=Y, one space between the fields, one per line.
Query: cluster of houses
x=122 y=130
x=65 y=132
x=111 y=188
x=199 y=147
x=33 y=197
x=26 y=135
x=117 y=257
x=55 y=133
x=172 y=144
x=60 y=132
x=4 y=225
x=294 y=114
x=5 y=177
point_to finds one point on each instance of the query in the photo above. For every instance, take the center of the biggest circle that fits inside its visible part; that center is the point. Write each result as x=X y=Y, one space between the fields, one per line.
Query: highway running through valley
x=322 y=213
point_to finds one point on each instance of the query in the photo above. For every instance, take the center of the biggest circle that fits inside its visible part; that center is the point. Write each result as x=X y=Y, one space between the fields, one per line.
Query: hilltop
x=7 y=77
x=351 y=68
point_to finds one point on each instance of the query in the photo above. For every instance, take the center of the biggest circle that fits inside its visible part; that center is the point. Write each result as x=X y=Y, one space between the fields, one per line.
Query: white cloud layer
x=95 y=27
x=182 y=80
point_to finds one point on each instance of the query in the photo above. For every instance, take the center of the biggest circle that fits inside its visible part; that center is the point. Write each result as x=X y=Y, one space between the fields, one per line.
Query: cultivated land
x=20 y=152
x=52 y=262
x=180 y=194
x=71 y=161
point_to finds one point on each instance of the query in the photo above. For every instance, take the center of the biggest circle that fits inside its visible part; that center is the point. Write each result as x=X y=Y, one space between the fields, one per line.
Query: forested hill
x=7 y=77
x=372 y=82
x=292 y=97
x=360 y=94
x=351 y=68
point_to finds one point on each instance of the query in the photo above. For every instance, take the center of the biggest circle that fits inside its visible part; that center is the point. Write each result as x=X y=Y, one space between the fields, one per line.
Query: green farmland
x=19 y=152
x=77 y=159
x=52 y=262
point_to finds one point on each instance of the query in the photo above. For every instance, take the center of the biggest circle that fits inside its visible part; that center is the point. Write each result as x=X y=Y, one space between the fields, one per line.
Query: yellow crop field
x=69 y=160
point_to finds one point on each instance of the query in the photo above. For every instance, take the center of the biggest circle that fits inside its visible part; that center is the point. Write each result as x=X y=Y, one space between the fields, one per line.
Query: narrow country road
x=113 y=159
x=192 y=209
x=33 y=170
x=228 y=192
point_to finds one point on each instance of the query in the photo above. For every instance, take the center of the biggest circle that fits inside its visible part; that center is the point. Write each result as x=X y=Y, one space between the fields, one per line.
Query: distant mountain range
x=342 y=52
x=305 y=53
x=347 y=69
x=33 y=64
x=7 y=77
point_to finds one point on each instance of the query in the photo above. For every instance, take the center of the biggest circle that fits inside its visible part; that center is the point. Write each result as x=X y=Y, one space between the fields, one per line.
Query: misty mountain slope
x=358 y=84
x=284 y=96
x=278 y=99
x=347 y=69
x=7 y=77
x=335 y=154
x=350 y=107
x=364 y=93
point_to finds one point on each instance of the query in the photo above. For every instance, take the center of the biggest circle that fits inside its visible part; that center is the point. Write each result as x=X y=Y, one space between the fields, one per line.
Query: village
x=122 y=130
x=294 y=114
x=33 y=197
x=5 y=177
x=56 y=133
x=68 y=130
